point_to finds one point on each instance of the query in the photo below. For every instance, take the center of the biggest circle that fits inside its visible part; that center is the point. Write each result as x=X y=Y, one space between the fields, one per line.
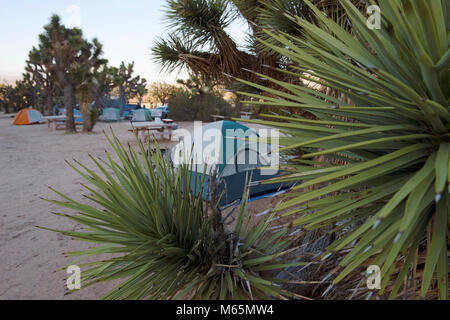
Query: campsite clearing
x=31 y=160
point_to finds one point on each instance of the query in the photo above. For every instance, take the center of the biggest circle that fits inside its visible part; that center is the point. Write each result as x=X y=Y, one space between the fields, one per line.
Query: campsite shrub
x=186 y=106
x=94 y=116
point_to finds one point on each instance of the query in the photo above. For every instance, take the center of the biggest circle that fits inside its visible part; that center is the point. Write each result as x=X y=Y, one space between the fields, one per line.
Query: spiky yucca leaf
x=387 y=136
x=271 y=13
x=167 y=242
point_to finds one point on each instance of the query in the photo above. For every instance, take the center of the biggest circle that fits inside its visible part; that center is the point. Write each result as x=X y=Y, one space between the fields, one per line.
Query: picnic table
x=246 y=115
x=59 y=121
x=54 y=119
x=217 y=117
x=157 y=127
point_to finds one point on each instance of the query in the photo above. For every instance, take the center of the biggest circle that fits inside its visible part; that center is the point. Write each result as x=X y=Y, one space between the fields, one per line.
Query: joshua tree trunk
x=98 y=104
x=122 y=95
x=97 y=98
x=69 y=103
x=238 y=105
x=87 y=116
x=49 y=103
x=84 y=99
x=69 y=100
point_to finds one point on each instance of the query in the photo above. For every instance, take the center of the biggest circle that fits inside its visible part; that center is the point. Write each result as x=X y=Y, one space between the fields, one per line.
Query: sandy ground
x=31 y=159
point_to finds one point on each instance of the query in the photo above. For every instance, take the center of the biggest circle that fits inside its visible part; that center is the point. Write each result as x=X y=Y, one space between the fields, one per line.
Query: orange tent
x=28 y=116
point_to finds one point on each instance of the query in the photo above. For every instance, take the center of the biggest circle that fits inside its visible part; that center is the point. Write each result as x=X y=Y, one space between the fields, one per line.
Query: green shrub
x=186 y=106
x=94 y=116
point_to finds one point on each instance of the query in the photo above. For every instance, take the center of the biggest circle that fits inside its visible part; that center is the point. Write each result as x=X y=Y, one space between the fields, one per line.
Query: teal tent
x=77 y=115
x=230 y=150
x=111 y=114
x=142 y=115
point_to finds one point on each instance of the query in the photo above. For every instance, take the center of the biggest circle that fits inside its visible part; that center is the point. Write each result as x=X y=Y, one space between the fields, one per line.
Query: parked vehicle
x=165 y=111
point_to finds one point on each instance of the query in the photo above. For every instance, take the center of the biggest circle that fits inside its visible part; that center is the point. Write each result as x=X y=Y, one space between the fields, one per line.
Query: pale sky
x=127 y=29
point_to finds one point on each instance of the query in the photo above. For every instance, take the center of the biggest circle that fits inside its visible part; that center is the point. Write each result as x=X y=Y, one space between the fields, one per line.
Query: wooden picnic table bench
x=54 y=119
x=246 y=115
x=147 y=127
x=59 y=121
x=217 y=117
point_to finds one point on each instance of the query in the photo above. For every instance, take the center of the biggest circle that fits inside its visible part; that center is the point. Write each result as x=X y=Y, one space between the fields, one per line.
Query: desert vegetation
x=369 y=150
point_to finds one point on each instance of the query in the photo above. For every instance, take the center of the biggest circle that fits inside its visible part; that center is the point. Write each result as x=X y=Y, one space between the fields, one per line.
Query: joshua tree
x=8 y=98
x=162 y=92
x=198 y=84
x=37 y=63
x=24 y=93
x=141 y=90
x=74 y=61
x=84 y=74
x=103 y=87
x=30 y=90
x=63 y=46
x=3 y=95
x=197 y=24
x=200 y=43
x=124 y=81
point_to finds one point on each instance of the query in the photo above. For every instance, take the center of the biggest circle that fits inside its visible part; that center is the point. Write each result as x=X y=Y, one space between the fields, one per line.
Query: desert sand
x=31 y=160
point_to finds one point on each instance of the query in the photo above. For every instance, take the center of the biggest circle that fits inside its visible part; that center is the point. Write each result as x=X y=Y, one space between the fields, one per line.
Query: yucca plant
x=374 y=164
x=166 y=242
x=201 y=43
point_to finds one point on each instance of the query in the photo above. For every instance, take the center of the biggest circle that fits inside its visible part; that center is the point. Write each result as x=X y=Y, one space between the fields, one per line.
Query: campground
x=32 y=158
